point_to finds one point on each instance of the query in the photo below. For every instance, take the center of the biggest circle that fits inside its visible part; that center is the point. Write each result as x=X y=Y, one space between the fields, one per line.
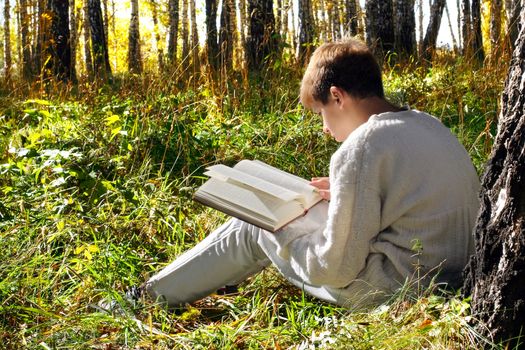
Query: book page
x=259 y=169
x=228 y=174
x=256 y=207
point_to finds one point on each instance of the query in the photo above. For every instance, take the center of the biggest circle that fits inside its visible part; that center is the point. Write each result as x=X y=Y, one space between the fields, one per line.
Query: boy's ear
x=336 y=93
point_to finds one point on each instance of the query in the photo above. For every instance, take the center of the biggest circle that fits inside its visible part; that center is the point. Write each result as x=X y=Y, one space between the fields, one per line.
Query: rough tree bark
x=351 y=17
x=194 y=36
x=380 y=27
x=211 y=37
x=7 y=39
x=513 y=9
x=261 y=40
x=306 y=31
x=226 y=34
x=405 y=28
x=430 y=40
x=134 y=57
x=466 y=27
x=24 y=40
x=496 y=7
x=58 y=47
x=185 y=32
x=477 y=37
x=495 y=274
x=173 y=12
x=101 y=66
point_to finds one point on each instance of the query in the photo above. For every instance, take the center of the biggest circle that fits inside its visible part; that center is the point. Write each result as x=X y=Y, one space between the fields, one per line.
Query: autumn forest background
x=111 y=110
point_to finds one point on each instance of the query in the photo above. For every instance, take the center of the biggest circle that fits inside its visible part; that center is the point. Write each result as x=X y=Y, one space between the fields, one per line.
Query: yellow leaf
x=112 y=119
x=79 y=250
x=60 y=225
x=93 y=248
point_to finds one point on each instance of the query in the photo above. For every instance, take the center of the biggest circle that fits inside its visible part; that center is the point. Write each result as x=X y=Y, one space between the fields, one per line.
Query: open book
x=257 y=193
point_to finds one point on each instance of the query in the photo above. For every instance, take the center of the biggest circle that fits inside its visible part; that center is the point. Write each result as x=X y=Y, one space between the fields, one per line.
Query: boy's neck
x=369 y=106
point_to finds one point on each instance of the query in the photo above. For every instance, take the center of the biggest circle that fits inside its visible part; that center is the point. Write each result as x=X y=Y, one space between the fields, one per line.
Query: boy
x=401 y=202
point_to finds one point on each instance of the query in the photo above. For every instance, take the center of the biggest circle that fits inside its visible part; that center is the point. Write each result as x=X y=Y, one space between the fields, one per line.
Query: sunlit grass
x=96 y=188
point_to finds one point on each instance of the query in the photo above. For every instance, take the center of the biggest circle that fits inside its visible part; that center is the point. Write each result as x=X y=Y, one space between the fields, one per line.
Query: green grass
x=96 y=189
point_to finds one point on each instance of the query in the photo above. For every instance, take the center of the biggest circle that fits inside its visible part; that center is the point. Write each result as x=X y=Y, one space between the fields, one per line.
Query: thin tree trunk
x=336 y=20
x=261 y=40
x=194 y=36
x=513 y=9
x=106 y=19
x=284 y=23
x=420 y=26
x=466 y=27
x=134 y=56
x=73 y=19
x=185 y=32
x=25 y=58
x=211 y=29
x=351 y=17
x=452 y=36
x=155 y=17
x=87 y=43
x=405 y=29
x=7 y=39
x=477 y=41
x=496 y=7
x=429 y=43
x=226 y=35
x=495 y=274
x=306 y=31
x=101 y=66
x=42 y=24
x=380 y=27
x=58 y=47
x=173 y=10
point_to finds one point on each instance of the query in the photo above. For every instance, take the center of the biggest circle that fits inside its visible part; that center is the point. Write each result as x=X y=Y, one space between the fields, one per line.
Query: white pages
x=257 y=193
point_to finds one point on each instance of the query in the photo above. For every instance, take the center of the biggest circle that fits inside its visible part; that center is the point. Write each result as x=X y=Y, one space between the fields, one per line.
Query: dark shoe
x=227 y=290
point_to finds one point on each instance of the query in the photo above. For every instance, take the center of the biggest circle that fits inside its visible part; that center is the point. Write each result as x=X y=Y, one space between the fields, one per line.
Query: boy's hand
x=323 y=185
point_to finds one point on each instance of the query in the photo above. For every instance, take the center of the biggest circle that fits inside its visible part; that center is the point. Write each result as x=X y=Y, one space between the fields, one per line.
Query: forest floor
x=96 y=186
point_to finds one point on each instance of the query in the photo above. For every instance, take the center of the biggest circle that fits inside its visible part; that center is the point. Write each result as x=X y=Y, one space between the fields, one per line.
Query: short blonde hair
x=347 y=64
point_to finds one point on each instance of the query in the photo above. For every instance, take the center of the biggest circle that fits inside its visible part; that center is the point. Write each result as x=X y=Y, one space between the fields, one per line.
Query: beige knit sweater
x=404 y=194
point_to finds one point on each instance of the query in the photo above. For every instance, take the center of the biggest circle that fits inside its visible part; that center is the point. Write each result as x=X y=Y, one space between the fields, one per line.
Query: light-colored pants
x=230 y=254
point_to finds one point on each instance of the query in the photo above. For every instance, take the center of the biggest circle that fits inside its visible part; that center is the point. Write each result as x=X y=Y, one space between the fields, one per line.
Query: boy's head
x=348 y=65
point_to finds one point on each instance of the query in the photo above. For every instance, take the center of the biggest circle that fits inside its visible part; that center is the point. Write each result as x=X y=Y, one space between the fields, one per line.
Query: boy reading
x=401 y=201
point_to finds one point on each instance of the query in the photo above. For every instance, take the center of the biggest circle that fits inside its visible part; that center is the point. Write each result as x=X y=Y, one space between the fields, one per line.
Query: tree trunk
x=477 y=38
x=306 y=31
x=24 y=40
x=405 y=29
x=466 y=27
x=58 y=47
x=261 y=39
x=284 y=23
x=101 y=66
x=380 y=27
x=134 y=57
x=243 y=22
x=185 y=32
x=73 y=19
x=513 y=9
x=429 y=43
x=496 y=7
x=194 y=36
x=211 y=29
x=351 y=17
x=7 y=39
x=41 y=29
x=420 y=27
x=155 y=18
x=335 y=20
x=495 y=274
x=173 y=10
x=226 y=34
x=87 y=44
x=452 y=36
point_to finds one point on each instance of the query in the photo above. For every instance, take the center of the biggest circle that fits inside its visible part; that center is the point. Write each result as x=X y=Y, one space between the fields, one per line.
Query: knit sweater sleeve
x=335 y=255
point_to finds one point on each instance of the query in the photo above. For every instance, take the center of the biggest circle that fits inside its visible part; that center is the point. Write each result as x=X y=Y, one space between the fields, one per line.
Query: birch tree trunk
x=496 y=7
x=306 y=31
x=513 y=9
x=495 y=274
x=7 y=39
x=101 y=67
x=211 y=29
x=134 y=57
x=477 y=37
x=74 y=32
x=58 y=47
x=261 y=40
x=173 y=12
x=351 y=18
x=429 y=43
x=380 y=27
x=194 y=36
x=87 y=42
x=405 y=28
x=158 y=42
x=226 y=34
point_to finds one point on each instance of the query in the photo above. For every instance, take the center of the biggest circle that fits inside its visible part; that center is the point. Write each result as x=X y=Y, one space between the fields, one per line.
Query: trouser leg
x=228 y=255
